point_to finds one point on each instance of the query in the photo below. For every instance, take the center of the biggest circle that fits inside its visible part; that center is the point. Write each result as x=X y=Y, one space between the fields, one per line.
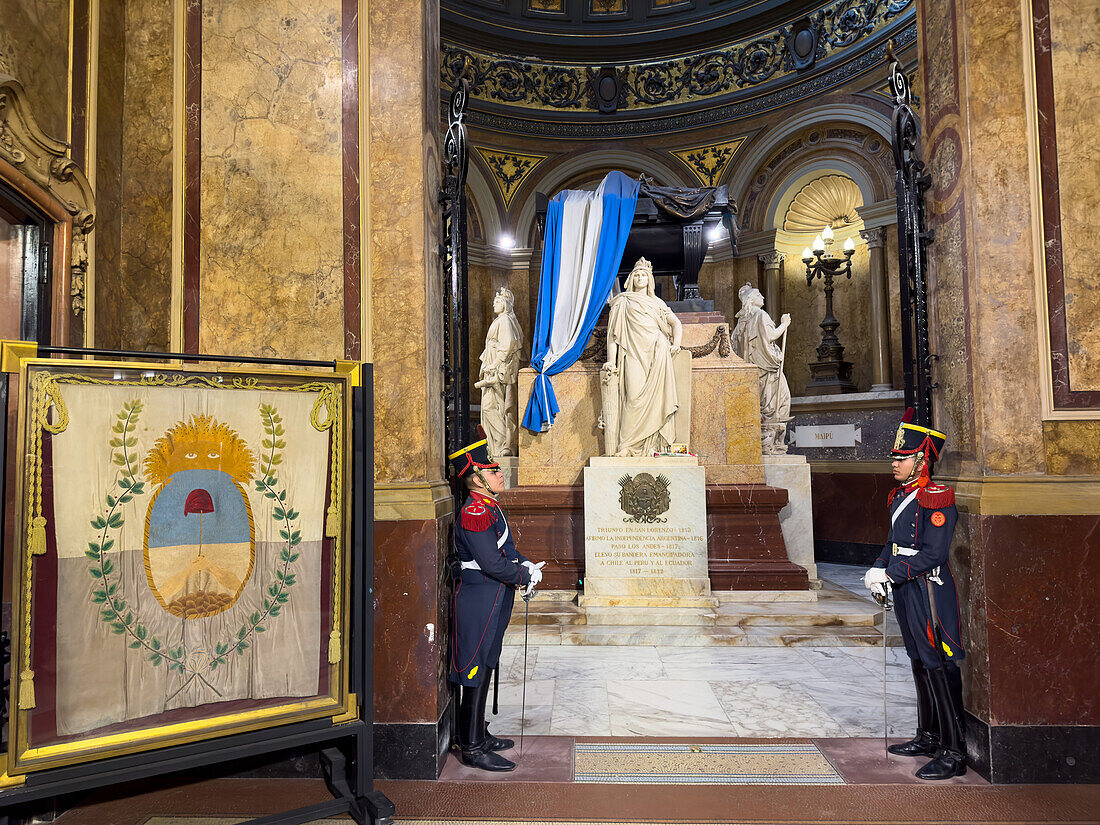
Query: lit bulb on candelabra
x=819 y=245
x=849 y=246
x=807 y=254
x=827 y=233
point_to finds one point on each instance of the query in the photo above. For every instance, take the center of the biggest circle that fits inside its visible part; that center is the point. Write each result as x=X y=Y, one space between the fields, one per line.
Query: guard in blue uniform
x=491 y=570
x=914 y=563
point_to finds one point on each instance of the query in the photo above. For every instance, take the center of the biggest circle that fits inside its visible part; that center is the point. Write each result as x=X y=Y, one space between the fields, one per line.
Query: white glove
x=536 y=576
x=878 y=589
x=875 y=575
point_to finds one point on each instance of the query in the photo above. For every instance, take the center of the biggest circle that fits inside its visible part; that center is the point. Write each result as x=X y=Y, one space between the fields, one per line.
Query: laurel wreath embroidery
x=118 y=614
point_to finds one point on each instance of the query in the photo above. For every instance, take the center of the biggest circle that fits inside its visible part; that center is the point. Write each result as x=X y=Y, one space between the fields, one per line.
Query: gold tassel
x=334 y=647
x=332 y=522
x=26 y=690
x=38 y=536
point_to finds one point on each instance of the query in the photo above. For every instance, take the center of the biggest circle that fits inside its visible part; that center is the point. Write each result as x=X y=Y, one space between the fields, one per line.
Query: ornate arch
x=39 y=168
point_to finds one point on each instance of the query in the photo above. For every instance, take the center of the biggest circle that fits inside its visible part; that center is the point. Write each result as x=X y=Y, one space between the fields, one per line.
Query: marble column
x=881 y=375
x=1000 y=101
x=412 y=503
x=773 y=266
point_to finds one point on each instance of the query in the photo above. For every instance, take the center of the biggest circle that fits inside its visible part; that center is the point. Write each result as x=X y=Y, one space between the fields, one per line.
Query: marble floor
x=650 y=690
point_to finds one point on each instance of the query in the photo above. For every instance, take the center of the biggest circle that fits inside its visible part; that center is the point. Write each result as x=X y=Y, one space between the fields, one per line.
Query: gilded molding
x=412 y=500
x=45 y=162
x=709 y=162
x=686 y=79
x=1035 y=496
x=510 y=169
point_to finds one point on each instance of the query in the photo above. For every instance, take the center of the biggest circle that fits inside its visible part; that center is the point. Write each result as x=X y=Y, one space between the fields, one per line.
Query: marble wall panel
x=109 y=141
x=139 y=301
x=893 y=285
x=968 y=566
x=1002 y=276
x=1073 y=28
x=1042 y=649
x=877 y=429
x=806 y=305
x=34 y=49
x=409 y=628
x=271 y=190
x=851 y=507
x=1071 y=447
x=405 y=282
x=720 y=280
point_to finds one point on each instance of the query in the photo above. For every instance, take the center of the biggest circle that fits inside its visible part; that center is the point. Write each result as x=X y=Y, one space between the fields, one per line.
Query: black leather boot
x=472 y=732
x=951 y=758
x=497 y=743
x=927 y=740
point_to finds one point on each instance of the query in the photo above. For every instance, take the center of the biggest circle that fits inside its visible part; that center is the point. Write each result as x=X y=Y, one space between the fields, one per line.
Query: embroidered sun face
x=200 y=538
x=938 y=519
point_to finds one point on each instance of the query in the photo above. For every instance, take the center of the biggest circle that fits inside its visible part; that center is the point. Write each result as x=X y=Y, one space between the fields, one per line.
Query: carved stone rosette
x=45 y=162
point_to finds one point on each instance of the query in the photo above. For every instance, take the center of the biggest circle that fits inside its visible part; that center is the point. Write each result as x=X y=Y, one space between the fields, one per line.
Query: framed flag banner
x=180 y=561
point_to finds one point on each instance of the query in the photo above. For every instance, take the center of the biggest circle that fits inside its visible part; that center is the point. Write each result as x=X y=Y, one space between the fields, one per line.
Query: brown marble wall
x=34 y=49
x=851 y=507
x=136 y=298
x=271 y=190
x=1035 y=607
x=411 y=621
x=1073 y=28
x=720 y=280
x=109 y=142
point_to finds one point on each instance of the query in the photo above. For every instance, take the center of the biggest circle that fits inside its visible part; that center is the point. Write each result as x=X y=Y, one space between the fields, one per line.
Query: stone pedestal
x=792 y=473
x=645 y=539
x=509 y=467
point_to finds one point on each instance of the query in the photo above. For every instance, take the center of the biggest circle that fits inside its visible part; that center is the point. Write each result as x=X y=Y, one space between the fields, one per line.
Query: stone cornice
x=689 y=92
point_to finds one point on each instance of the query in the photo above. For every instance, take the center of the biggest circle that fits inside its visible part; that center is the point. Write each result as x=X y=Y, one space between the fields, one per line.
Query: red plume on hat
x=908 y=416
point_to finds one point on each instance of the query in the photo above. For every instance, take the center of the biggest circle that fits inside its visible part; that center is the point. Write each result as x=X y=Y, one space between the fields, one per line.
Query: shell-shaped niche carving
x=830 y=199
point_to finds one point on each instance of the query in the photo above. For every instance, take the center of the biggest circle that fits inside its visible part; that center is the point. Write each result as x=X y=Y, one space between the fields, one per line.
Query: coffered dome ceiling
x=617 y=68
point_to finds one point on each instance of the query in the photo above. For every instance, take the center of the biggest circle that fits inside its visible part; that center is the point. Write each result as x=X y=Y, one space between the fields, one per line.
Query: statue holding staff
x=754 y=339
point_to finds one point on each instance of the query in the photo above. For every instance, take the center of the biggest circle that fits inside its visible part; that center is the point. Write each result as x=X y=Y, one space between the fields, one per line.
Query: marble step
x=699 y=636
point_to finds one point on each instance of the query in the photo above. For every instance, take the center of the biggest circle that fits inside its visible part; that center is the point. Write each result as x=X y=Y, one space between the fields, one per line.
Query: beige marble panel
x=271 y=226
x=1071 y=447
x=140 y=304
x=725 y=423
x=406 y=291
x=999 y=240
x=34 y=49
x=1074 y=25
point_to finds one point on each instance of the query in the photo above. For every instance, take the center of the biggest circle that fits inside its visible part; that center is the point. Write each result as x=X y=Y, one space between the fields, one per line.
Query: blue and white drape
x=583 y=246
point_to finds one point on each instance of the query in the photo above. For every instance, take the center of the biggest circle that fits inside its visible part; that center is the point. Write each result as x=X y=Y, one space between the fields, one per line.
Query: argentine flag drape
x=584 y=242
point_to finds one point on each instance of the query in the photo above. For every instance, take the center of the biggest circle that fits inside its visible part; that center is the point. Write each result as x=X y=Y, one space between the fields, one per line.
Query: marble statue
x=638 y=384
x=754 y=339
x=499 y=371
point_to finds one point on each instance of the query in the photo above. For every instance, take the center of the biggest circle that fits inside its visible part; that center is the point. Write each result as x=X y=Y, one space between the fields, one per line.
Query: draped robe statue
x=499 y=372
x=754 y=339
x=639 y=387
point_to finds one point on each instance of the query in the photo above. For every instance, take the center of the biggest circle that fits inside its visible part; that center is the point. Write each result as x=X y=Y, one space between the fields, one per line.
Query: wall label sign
x=826 y=435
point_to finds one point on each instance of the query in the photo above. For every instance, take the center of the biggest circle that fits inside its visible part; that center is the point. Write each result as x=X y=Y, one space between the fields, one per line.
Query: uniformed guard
x=484 y=590
x=915 y=563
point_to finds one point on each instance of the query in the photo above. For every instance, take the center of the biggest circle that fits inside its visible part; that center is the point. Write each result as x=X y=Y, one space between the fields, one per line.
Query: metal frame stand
x=346 y=750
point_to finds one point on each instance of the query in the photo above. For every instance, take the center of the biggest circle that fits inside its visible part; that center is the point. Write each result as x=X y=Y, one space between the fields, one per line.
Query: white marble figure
x=499 y=371
x=638 y=384
x=754 y=339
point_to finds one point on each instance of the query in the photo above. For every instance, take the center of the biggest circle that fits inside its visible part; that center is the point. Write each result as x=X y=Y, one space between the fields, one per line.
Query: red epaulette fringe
x=890 y=498
x=936 y=496
x=476 y=517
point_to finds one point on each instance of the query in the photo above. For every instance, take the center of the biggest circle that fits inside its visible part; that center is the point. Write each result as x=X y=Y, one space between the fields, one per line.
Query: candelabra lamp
x=831 y=374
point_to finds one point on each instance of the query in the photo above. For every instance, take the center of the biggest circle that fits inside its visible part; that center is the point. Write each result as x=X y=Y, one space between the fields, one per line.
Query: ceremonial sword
x=884 y=603
x=523 y=694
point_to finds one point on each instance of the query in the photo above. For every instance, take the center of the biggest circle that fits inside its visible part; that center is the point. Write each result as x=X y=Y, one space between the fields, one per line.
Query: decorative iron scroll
x=911 y=183
x=453 y=252
x=503 y=79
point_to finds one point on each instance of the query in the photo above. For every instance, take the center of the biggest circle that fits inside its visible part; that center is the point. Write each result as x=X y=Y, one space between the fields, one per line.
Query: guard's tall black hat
x=475 y=455
x=913 y=438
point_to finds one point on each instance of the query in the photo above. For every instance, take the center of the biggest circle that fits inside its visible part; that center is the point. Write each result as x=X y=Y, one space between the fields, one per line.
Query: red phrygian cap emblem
x=198 y=501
